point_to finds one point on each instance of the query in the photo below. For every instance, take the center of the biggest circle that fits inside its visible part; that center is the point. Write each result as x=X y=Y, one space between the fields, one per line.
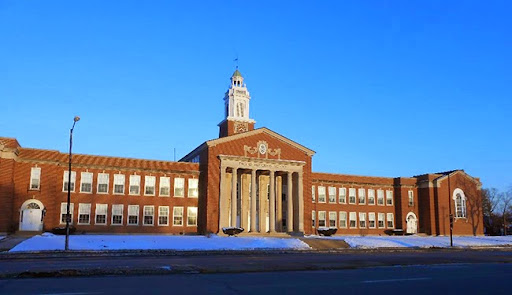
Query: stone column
x=233 y=197
x=244 y=200
x=261 y=212
x=253 y=201
x=279 y=203
x=223 y=201
x=300 y=206
x=272 y=213
x=289 y=197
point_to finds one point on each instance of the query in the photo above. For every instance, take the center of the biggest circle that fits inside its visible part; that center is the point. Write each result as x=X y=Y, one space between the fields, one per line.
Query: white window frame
x=84 y=209
x=118 y=180
x=380 y=198
x=361 y=192
x=164 y=208
x=342 y=195
x=390 y=218
x=149 y=181
x=313 y=194
x=371 y=196
x=35 y=177
x=179 y=183
x=134 y=181
x=65 y=180
x=352 y=216
x=460 y=209
x=322 y=217
x=410 y=195
x=165 y=182
x=381 y=217
x=331 y=218
x=343 y=221
x=114 y=207
x=362 y=220
x=313 y=218
x=193 y=188
x=371 y=218
x=63 y=211
x=175 y=215
x=352 y=196
x=131 y=209
x=389 y=197
x=321 y=194
x=99 y=212
x=148 y=215
x=87 y=176
x=101 y=181
x=331 y=191
x=189 y=211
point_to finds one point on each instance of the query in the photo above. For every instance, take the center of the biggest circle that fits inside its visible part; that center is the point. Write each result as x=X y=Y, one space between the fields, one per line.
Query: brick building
x=253 y=178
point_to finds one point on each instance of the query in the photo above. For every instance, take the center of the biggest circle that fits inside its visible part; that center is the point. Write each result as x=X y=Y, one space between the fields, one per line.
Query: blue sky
x=385 y=88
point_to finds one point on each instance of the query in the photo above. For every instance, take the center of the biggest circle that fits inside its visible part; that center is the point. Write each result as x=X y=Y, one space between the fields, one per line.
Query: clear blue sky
x=385 y=88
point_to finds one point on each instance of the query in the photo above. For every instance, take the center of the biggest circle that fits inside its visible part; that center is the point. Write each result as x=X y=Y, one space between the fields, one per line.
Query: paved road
x=136 y=264
x=441 y=279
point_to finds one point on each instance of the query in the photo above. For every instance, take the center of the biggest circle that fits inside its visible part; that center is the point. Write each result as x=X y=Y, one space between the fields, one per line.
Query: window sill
x=116 y=224
x=132 y=224
x=178 y=196
x=34 y=189
x=163 y=225
x=102 y=193
x=134 y=195
x=85 y=192
x=163 y=196
x=148 y=225
x=149 y=195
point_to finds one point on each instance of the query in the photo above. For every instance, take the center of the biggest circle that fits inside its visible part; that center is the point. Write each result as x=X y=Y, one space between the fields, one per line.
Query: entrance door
x=412 y=224
x=31 y=217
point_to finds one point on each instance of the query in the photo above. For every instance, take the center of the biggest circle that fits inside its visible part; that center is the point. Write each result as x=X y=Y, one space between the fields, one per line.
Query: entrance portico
x=253 y=190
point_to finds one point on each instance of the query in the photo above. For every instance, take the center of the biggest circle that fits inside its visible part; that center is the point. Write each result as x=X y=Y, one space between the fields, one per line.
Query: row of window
x=383 y=219
x=352 y=197
x=117 y=214
x=134 y=184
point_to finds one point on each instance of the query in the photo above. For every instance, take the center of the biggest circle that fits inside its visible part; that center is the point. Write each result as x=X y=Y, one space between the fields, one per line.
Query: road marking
x=395 y=280
x=75 y=293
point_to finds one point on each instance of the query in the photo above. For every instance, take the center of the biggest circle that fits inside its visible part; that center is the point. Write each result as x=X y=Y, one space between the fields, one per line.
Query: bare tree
x=506 y=203
x=491 y=198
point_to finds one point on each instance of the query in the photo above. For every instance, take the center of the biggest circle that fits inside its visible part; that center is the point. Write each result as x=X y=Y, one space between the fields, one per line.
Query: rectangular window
x=371 y=220
x=119 y=184
x=313 y=218
x=343 y=219
x=353 y=219
x=381 y=220
x=101 y=214
x=63 y=212
x=179 y=187
x=35 y=178
x=380 y=197
x=177 y=216
x=351 y=195
x=411 y=198
x=165 y=186
x=133 y=214
x=163 y=215
x=391 y=221
x=332 y=194
x=191 y=216
x=362 y=195
x=342 y=197
x=321 y=194
x=371 y=197
x=65 y=181
x=332 y=219
x=149 y=213
x=86 y=182
x=117 y=214
x=149 y=185
x=313 y=193
x=103 y=179
x=84 y=213
x=321 y=218
x=134 y=185
x=362 y=220
x=389 y=198
x=193 y=187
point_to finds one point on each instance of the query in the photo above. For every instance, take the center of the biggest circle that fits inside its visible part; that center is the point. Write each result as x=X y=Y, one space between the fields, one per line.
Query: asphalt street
x=414 y=279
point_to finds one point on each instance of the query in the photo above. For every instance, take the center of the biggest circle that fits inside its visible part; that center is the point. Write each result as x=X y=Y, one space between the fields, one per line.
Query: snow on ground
x=50 y=242
x=422 y=241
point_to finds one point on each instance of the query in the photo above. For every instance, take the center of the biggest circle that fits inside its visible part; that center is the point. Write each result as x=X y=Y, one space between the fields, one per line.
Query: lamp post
x=68 y=216
x=450 y=215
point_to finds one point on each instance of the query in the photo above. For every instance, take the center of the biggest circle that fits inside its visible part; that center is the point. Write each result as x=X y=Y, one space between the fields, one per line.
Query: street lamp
x=68 y=216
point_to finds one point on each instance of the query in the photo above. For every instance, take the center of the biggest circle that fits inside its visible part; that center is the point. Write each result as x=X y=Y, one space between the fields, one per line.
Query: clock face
x=262 y=148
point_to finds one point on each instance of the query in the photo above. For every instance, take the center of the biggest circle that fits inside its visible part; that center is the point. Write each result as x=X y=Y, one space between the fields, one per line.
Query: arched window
x=460 y=203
